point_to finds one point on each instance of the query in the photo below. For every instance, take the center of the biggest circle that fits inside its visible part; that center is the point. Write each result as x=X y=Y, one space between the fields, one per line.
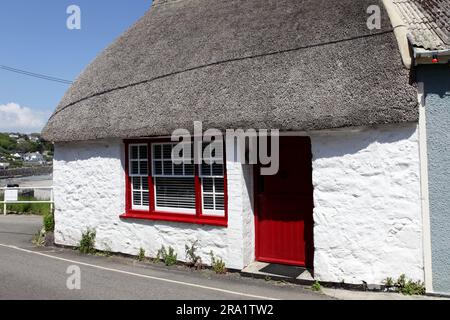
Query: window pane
x=175 y=193
x=144 y=167
x=205 y=169
x=145 y=183
x=145 y=198
x=168 y=168
x=167 y=151
x=208 y=202
x=208 y=185
x=136 y=183
x=157 y=167
x=143 y=152
x=137 y=198
x=220 y=203
x=219 y=184
x=189 y=169
x=178 y=169
x=134 y=152
x=134 y=167
x=217 y=169
x=157 y=151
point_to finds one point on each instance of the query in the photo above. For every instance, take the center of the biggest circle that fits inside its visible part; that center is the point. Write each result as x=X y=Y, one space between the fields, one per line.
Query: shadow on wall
x=436 y=79
x=336 y=144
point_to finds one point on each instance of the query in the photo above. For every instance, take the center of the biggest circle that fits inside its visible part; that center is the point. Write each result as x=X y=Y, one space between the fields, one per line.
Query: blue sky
x=34 y=37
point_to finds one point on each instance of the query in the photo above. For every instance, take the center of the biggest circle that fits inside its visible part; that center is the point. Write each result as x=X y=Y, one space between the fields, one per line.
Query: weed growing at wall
x=405 y=286
x=87 y=242
x=141 y=255
x=169 y=257
x=192 y=259
x=217 y=264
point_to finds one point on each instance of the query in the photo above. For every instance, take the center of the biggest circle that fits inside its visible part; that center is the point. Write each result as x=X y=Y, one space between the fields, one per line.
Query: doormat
x=283 y=270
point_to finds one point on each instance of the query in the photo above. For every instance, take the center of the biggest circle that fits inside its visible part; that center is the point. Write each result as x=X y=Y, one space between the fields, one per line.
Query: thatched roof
x=285 y=64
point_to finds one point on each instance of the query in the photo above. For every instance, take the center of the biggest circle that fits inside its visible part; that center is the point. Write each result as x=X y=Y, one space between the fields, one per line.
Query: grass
x=40 y=209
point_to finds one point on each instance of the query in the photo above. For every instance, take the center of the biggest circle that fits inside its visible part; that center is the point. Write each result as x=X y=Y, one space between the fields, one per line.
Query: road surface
x=27 y=272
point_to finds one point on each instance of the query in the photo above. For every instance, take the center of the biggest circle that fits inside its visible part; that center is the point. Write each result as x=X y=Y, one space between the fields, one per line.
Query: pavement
x=28 y=272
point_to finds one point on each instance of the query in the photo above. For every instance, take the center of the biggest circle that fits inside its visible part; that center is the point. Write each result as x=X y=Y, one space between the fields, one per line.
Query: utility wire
x=35 y=75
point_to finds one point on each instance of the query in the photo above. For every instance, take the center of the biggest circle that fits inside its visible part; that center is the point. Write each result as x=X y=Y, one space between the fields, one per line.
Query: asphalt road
x=27 y=272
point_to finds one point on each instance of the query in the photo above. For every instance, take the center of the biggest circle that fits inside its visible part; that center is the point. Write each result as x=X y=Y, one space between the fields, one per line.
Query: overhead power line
x=35 y=75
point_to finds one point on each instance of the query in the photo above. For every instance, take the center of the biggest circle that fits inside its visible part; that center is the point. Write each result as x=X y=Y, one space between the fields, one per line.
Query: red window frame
x=154 y=215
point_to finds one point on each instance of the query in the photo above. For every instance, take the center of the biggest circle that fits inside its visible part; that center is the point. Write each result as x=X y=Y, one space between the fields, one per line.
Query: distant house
x=34 y=158
x=348 y=199
x=4 y=165
x=14 y=136
x=34 y=138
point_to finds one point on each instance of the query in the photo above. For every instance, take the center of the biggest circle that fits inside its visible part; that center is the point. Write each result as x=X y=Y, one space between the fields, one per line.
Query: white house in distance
x=346 y=201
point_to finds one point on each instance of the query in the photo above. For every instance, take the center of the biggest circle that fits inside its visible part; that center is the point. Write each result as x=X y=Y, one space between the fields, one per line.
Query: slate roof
x=428 y=22
x=263 y=64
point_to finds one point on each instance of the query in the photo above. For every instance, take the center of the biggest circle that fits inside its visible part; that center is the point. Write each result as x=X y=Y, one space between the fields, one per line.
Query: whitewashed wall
x=366 y=194
x=367 y=205
x=90 y=192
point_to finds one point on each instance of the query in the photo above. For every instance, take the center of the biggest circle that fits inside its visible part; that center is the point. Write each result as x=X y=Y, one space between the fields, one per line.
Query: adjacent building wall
x=436 y=81
x=367 y=205
x=89 y=191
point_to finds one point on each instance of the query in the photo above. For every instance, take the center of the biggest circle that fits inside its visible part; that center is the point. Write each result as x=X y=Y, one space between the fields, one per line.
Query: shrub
x=192 y=258
x=217 y=264
x=87 y=242
x=49 y=222
x=168 y=256
x=141 y=255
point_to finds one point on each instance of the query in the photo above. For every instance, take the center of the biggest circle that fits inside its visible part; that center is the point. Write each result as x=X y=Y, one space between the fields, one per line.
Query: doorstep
x=279 y=272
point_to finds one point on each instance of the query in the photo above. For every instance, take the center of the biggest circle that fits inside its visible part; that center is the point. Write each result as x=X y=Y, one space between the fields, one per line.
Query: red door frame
x=309 y=263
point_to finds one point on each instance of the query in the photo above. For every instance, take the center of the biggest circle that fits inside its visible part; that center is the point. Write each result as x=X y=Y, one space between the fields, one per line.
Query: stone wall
x=90 y=193
x=367 y=214
x=25 y=172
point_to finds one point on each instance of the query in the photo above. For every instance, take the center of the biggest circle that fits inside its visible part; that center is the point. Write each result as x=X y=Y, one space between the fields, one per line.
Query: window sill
x=172 y=217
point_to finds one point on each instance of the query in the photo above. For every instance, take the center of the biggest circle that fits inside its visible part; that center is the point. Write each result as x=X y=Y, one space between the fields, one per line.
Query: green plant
x=49 y=222
x=389 y=283
x=168 y=256
x=409 y=287
x=192 y=258
x=29 y=208
x=316 y=286
x=141 y=255
x=87 y=242
x=217 y=264
x=39 y=238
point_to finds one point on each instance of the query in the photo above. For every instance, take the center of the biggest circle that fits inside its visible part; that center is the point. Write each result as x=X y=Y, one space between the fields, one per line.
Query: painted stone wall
x=367 y=205
x=436 y=81
x=90 y=193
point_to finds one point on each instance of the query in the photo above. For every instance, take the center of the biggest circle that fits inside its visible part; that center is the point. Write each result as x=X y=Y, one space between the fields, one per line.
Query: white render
x=366 y=193
x=367 y=212
x=89 y=184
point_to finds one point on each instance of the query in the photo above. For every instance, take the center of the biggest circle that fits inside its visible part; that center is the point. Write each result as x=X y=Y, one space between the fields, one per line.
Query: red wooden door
x=284 y=223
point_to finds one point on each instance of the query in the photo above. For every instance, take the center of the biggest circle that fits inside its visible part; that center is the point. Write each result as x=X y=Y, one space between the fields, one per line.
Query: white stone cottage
x=346 y=202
